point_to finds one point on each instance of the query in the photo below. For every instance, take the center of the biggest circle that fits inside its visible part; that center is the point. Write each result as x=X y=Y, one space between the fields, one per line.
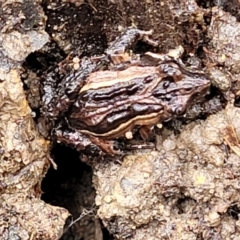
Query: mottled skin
x=99 y=105
x=58 y=98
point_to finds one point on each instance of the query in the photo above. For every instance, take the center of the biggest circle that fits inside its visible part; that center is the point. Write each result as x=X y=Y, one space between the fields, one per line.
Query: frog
x=112 y=96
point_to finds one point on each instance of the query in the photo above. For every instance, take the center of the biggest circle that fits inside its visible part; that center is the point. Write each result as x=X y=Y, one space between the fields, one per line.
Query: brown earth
x=186 y=188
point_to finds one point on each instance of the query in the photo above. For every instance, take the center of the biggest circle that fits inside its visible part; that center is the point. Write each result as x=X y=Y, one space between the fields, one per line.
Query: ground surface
x=187 y=187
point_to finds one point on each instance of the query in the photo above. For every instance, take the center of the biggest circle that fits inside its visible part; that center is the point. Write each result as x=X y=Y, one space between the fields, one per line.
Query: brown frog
x=112 y=95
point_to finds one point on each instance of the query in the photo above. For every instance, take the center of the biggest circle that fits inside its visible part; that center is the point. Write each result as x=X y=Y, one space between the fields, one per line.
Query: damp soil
x=71 y=188
x=186 y=187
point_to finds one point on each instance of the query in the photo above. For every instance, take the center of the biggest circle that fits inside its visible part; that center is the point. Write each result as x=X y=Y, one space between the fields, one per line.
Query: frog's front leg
x=80 y=141
x=117 y=50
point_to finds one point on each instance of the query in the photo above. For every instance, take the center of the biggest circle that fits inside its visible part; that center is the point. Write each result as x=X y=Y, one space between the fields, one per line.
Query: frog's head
x=180 y=88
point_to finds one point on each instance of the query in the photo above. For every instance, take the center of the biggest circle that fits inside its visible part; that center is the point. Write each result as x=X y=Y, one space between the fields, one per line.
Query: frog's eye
x=178 y=110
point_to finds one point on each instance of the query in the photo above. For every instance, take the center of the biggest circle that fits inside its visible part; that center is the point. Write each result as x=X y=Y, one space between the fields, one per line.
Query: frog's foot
x=145 y=38
x=117 y=50
x=80 y=142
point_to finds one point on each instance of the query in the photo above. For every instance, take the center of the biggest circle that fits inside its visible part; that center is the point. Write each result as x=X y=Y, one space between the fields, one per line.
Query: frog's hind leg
x=117 y=51
x=83 y=142
x=58 y=97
